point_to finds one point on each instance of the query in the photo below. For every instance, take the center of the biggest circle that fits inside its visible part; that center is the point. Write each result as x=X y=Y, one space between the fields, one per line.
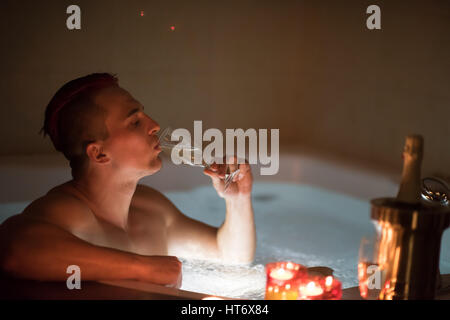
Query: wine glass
x=188 y=154
x=370 y=269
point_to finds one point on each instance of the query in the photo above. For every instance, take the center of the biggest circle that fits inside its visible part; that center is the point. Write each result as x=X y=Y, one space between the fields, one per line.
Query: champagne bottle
x=409 y=190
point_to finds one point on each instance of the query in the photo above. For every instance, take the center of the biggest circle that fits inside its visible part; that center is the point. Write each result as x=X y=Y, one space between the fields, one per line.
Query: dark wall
x=310 y=68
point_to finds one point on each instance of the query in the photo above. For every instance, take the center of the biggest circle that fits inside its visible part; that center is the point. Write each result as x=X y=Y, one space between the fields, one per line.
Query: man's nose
x=153 y=127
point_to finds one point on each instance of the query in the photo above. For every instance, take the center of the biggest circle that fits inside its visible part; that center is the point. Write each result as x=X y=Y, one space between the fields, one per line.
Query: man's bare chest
x=146 y=234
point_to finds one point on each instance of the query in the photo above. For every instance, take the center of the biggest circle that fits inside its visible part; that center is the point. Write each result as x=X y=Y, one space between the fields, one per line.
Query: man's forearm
x=41 y=251
x=236 y=238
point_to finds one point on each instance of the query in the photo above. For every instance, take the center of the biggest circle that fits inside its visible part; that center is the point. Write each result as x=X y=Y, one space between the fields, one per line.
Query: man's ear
x=95 y=152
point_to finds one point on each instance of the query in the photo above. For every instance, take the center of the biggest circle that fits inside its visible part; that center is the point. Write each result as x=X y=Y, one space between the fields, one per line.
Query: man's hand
x=242 y=182
x=162 y=270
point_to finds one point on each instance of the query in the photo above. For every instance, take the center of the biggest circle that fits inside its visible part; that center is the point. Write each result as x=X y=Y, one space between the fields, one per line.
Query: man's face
x=132 y=143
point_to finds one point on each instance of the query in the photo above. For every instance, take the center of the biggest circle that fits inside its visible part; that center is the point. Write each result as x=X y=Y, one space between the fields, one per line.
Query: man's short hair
x=73 y=119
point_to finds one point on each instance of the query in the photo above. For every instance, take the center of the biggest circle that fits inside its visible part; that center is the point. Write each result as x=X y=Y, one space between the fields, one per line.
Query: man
x=105 y=222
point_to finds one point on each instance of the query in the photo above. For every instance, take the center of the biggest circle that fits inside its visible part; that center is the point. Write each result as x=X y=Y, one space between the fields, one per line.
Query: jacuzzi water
x=300 y=223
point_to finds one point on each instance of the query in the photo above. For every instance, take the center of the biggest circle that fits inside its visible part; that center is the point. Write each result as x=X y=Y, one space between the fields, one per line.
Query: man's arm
x=236 y=237
x=233 y=242
x=38 y=250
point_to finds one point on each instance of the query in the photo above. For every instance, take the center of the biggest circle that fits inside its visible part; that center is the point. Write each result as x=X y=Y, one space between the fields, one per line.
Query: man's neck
x=108 y=196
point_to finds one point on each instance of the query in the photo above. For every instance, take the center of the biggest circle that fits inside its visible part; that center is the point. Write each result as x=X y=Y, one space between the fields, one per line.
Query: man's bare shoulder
x=61 y=208
x=152 y=201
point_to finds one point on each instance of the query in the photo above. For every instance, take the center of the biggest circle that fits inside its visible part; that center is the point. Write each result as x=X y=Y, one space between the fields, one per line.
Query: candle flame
x=311 y=285
x=328 y=281
x=310 y=290
x=281 y=274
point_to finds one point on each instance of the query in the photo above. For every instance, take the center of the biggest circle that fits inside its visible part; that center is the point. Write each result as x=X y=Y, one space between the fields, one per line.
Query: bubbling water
x=249 y=281
x=299 y=223
x=234 y=281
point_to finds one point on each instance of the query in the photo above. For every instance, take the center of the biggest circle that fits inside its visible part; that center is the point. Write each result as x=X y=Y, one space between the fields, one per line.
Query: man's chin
x=155 y=165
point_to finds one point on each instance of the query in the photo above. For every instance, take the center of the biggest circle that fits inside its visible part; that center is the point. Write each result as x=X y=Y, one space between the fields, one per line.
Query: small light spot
x=142 y=13
x=172 y=28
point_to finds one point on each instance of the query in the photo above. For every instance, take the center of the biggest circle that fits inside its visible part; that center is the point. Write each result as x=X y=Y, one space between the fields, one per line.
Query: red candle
x=333 y=288
x=311 y=290
x=317 y=287
x=283 y=279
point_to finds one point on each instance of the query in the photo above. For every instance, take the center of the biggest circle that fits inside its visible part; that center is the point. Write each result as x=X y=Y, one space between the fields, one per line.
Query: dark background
x=310 y=68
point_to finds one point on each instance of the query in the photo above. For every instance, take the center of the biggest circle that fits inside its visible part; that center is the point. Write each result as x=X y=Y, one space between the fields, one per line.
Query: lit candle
x=334 y=290
x=283 y=279
x=281 y=274
x=322 y=278
x=312 y=291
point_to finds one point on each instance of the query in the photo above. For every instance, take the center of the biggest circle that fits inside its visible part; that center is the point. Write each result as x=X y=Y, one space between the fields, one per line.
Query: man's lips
x=157 y=146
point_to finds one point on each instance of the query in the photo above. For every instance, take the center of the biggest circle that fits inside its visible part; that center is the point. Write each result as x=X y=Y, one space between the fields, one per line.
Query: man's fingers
x=215 y=175
x=221 y=170
x=210 y=173
x=244 y=169
x=232 y=164
x=214 y=167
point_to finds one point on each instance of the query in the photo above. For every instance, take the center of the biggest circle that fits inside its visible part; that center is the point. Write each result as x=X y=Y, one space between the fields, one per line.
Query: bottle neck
x=409 y=190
